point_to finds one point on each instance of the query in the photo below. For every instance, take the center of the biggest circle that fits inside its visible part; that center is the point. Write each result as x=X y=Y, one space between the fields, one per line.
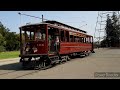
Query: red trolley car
x=51 y=42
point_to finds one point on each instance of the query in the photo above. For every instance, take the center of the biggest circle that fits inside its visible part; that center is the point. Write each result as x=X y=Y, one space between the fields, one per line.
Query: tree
x=108 y=29
x=2 y=43
x=2 y=38
x=3 y=29
x=12 y=42
x=112 y=31
x=8 y=40
x=115 y=33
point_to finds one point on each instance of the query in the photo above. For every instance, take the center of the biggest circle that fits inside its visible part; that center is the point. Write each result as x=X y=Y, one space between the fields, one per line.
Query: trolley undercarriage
x=43 y=62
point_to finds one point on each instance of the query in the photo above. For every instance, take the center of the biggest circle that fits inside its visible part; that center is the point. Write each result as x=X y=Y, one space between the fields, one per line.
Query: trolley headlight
x=27 y=49
x=34 y=49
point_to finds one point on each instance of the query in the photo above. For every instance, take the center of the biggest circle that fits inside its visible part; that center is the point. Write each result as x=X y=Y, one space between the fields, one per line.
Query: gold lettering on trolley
x=40 y=44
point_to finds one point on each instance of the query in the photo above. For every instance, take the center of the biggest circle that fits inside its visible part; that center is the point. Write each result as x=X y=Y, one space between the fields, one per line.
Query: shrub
x=2 y=48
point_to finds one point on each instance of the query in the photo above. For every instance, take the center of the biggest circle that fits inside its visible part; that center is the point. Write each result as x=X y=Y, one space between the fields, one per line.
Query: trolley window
x=34 y=32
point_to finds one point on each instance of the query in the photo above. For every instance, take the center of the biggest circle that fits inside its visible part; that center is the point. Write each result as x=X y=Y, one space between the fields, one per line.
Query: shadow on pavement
x=12 y=66
x=18 y=66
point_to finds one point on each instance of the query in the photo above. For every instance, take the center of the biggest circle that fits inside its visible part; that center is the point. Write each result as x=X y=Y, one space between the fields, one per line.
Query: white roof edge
x=53 y=25
x=33 y=24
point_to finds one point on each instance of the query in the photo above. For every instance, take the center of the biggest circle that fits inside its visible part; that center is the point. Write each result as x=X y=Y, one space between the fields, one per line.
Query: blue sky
x=78 y=19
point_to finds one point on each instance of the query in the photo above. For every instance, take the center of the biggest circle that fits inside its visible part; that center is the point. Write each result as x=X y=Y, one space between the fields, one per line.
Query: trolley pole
x=32 y=16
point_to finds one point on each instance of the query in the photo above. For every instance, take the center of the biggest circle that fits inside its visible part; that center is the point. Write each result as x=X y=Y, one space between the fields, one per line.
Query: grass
x=11 y=54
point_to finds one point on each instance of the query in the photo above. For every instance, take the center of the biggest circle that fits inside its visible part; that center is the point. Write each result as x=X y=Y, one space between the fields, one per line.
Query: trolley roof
x=68 y=26
x=56 y=23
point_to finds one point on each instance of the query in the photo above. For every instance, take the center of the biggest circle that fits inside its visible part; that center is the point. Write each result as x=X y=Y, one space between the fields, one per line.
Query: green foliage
x=8 y=40
x=1 y=39
x=12 y=42
x=104 y=43
x=2 y=48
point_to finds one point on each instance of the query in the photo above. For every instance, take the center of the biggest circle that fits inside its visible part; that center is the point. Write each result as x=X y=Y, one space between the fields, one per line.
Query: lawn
x=12 y=54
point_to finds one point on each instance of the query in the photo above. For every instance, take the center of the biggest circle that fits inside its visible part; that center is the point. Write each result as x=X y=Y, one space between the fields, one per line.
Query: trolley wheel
x=93 y=51
x=68 y=58
x=44 y=64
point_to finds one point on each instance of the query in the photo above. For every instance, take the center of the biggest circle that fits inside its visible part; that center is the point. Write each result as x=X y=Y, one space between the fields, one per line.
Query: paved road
x=104 y=60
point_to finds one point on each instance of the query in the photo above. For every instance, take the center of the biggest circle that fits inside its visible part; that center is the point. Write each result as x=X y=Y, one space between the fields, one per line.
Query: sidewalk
x=9 y=59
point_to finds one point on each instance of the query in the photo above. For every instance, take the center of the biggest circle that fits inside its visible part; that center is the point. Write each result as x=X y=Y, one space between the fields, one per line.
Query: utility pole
x=42 y=18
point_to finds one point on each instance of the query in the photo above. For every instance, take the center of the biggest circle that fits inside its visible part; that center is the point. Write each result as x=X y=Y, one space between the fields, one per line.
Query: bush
x=2 y=48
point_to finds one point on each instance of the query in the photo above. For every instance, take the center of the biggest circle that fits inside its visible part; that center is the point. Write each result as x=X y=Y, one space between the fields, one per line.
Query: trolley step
x=56 y=61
